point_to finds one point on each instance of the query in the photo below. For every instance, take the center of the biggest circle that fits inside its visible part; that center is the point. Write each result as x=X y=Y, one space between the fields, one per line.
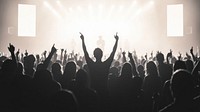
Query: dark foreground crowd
x=72 y=83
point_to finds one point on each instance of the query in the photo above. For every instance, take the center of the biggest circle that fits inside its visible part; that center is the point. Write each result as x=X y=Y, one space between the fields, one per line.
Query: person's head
x=179 y=65
x=8 y=66
x=43 y=75
x=140 y=69
x=81 y=77
x=160 y=58
x=29 y=61
x=189 y=65
x=114 y=71
x=98 y=53
x=56 y=68
x=70 y=70
x=152 y=68
x=126 y=70
x=182 y=85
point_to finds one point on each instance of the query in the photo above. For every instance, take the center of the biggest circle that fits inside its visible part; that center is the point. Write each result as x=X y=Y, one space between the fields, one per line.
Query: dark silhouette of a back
x=152 y=85
x=63 y=101
x=124 y=96
x=179 y=65
x=57 y=72
x=29 y=65
x=86 y=97
x=68 y=75
x=165 y=70
x=183 y=91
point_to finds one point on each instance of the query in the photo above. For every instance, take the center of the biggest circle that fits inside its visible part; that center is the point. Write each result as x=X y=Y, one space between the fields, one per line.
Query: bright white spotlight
x=26 y=20
x=90 y=7
x=100 y=6
x=121 y=7
x=51 y=9
x=175 y=20
x=134 y=2
x=58 y=2
x=70 y=9
x=139 y=11
x=79 y=8
x=151 y=2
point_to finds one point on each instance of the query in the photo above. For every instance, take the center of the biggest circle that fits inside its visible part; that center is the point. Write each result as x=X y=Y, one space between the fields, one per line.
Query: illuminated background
x=142 y=25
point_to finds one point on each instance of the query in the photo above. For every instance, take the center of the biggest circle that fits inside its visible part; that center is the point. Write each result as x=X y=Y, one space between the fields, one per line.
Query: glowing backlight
x=26 y=20
x=175 y=20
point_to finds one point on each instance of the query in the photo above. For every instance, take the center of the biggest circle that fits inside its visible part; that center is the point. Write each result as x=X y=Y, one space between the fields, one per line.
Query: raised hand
x=180 y=56
x=18 y=51
x=191 y=50
x=169 y=54
x=145 y=56
x=129 y=54
x=37 y=56
x=53 y=49
x=116 y=36
x=26 y=53
x=22 y=55
x=151 y=53
x=82 y=37
x=62 y=50
x=45 y=53
x=11 y=48
x=124 y=53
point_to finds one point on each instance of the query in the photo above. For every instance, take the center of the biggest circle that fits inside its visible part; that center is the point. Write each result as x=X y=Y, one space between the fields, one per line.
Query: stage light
x=58 y=2
x=151 y=2
x=121 y=7
x=70 y=9
x=79 y=8
x=134 y=3
x=51 y=9
x=100 y=6
x=139 y=11
x=26 y=20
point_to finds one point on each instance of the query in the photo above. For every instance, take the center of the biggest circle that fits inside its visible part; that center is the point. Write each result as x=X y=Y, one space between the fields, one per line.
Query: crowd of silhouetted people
x=68 y=82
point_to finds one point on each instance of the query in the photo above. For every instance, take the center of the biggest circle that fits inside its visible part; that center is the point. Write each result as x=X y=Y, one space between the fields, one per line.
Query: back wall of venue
x=141 y=25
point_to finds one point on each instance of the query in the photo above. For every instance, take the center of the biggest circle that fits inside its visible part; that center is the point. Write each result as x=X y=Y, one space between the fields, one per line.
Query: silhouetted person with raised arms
x=99 y=70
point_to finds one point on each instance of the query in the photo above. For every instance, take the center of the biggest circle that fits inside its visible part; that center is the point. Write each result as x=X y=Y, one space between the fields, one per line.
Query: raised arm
x=133 y=64
x=17 y=55
x=123 y=57
x=48 y=59
x=193 y=57
x=84 y=48
x=11 y=48
x=169 y=55
x=195 y=73
x=115 y=47
x=61 y=55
